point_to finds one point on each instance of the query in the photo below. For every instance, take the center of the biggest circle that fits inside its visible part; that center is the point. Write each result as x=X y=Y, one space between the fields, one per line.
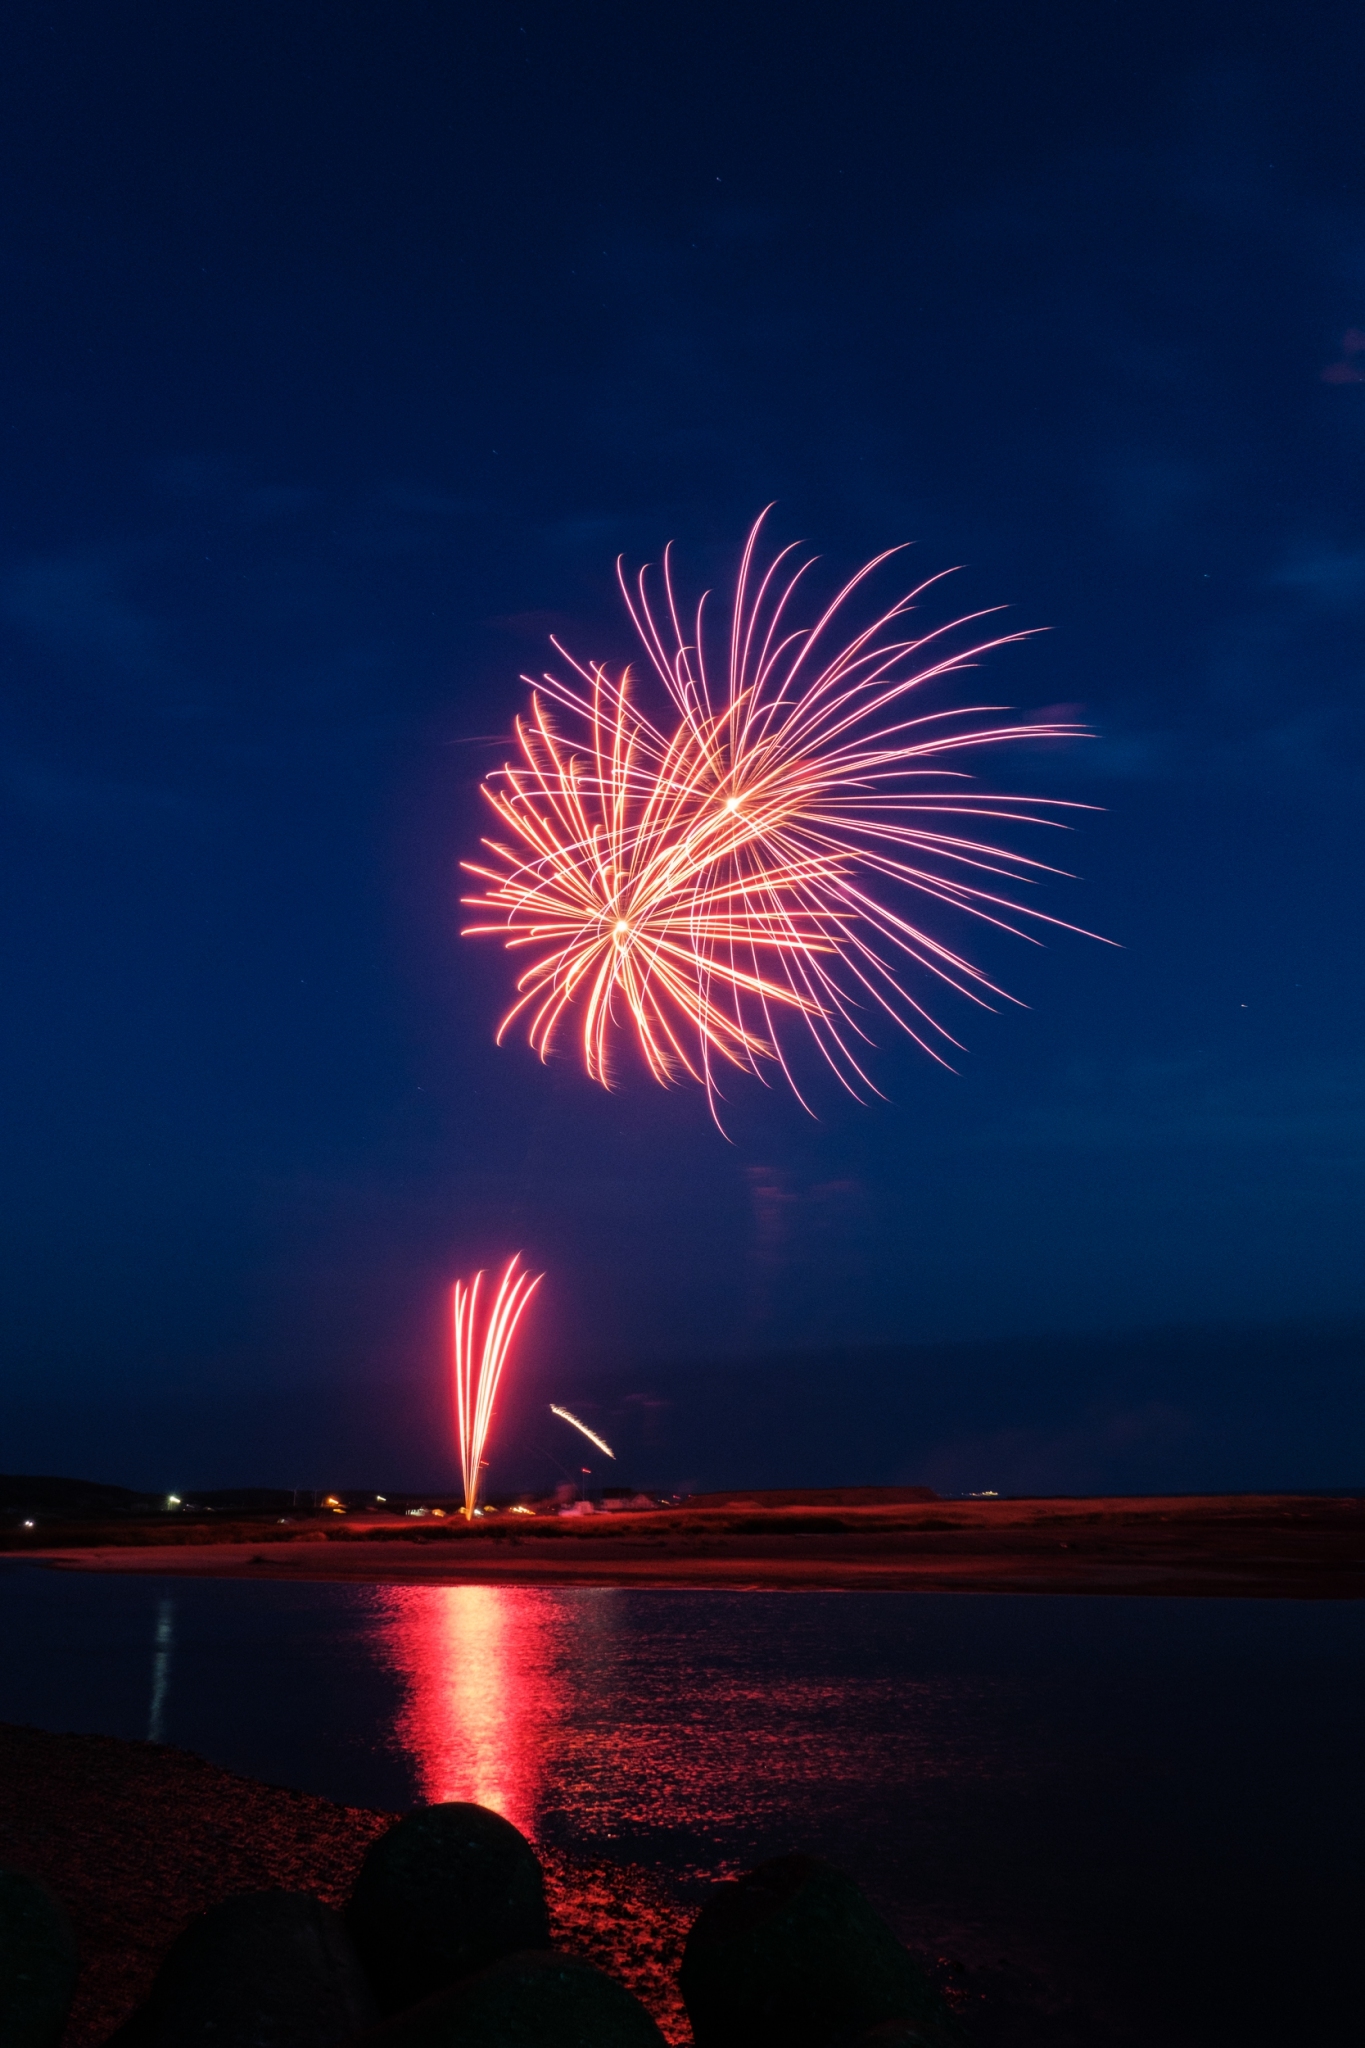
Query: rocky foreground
x=175 y=1895
x=150 y=1900
x=134 y=1839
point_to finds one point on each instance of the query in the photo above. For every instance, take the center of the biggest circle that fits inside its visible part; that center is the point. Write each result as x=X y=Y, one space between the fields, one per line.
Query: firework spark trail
x=592 y=1436
x=714 y=878
x=482 y=1343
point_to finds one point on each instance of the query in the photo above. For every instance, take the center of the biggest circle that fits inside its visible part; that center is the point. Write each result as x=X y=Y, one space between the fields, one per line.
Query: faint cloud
x=428 y=504
x=1175 y=1105
x=801 y=1229
x=1334 y=577
x=267 y=502
x=590 y=533
x=1099 y=1449
x=840 y=1206
x=1323 y=746
x=780 y=1209
x=218 y=480
x=1149 y=492
x=1349 y=368
x=1127 y=757
x=770 y=1200
x=748 y=224
x=96 y=803
x=188 y=477
x=537 y=627
x=77 y=603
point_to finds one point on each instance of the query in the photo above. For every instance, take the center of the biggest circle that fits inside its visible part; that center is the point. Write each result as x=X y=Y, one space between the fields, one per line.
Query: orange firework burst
x=482 y=1343
x=752 y=860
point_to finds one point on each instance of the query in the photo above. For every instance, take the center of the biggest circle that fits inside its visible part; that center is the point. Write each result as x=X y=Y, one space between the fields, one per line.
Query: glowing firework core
x=481 y=1348
x=752 y=861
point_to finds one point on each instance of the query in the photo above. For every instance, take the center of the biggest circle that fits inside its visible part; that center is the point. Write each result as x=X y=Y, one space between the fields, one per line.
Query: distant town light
x=172 y=1500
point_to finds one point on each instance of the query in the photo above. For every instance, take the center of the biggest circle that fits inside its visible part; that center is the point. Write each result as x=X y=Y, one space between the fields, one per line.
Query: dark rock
x=533 y=2000
x=793 y=1956
x=263 y=1970
x=444 y=1893
x=38 y=1963
x=890 y=2034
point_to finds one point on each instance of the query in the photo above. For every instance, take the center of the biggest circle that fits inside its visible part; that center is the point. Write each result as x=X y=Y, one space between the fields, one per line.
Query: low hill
x=71 y=1500
x=46 y=1497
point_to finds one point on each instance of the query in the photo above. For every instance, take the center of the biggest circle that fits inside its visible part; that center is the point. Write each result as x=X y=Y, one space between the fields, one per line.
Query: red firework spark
x=482 y=1342
x=752 y=861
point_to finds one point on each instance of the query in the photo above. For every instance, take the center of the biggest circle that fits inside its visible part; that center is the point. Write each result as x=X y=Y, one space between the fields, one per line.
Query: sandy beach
x=1271 y=1546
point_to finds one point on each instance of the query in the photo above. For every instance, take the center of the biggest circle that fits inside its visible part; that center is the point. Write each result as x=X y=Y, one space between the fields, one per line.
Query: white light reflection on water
x=164 y=1646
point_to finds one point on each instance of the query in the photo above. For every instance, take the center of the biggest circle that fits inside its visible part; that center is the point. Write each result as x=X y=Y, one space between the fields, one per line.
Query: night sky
x=345 y=347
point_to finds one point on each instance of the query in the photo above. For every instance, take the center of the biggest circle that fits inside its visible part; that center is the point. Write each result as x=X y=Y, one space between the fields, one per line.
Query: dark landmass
x=812 y=1497
x=45 y=1498
x=1283 y=1546
x=71 y=1500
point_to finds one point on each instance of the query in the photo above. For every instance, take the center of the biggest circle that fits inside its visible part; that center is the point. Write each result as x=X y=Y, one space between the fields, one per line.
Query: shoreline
x=1268 y=1546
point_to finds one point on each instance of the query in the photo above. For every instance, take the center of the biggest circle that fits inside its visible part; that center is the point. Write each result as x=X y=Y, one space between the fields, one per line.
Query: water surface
x=1155 y=1804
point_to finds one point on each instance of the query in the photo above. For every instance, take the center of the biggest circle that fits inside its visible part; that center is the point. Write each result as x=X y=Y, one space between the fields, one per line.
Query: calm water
x=1154 y=1804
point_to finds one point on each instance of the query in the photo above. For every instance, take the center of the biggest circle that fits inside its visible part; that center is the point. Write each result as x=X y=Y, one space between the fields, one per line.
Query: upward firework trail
x=482 y=1342
x=762 y=856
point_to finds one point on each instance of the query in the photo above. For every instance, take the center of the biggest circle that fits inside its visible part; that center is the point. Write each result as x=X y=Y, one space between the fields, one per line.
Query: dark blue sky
x=343 y=350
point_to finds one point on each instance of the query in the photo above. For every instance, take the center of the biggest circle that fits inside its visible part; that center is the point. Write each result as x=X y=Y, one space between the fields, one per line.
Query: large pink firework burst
x=764 y=856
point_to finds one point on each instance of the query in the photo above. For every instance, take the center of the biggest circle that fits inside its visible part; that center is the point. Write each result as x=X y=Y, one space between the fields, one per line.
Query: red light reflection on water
x=555 y=1708
x=481 y=1698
